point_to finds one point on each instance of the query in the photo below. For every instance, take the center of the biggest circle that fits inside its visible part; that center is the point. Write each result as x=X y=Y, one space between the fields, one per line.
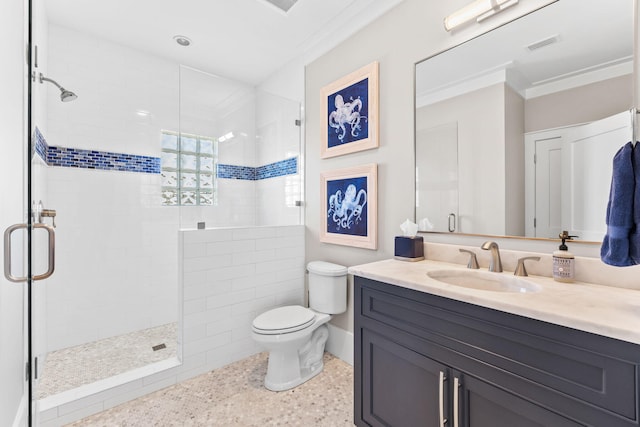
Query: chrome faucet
x=496 y=263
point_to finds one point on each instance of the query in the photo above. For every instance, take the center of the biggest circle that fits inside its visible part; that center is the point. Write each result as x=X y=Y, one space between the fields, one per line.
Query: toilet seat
x=283 y=320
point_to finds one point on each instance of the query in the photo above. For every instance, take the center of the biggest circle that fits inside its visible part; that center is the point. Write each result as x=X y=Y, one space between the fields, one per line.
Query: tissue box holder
x=409 y=248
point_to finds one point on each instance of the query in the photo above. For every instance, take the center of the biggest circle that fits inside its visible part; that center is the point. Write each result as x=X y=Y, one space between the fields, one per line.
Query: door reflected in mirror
x=539 y=107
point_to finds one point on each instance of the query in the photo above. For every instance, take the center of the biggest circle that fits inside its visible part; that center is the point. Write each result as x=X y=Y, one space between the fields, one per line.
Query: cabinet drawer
x=556 y=360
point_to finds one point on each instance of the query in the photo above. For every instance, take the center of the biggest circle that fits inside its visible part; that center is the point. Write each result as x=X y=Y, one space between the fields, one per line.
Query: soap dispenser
x=564 y=261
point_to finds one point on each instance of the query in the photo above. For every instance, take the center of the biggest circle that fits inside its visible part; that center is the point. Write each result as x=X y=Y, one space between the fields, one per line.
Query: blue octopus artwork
x=347 y=115
x=346 y=200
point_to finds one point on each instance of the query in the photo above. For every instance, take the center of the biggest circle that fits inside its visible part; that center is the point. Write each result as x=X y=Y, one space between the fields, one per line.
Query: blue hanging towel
x=634 y=243
x=615 y=248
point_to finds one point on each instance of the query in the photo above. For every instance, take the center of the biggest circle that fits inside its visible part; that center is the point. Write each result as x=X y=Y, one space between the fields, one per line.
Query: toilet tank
x=327 y=287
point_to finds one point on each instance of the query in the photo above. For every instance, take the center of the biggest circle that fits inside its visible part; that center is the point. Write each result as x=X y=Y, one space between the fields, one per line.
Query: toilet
x=295 y=336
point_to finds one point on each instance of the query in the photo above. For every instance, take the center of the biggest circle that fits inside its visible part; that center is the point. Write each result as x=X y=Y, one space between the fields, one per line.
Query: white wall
x=230 y=276
x=113 y=83
x=264 y=132
x=573 y=106
x=14 y=74
x=278 y=138
x=514 y=163
x=481 y=129
x=117 y=268
x=213 y=106
x=117 y=258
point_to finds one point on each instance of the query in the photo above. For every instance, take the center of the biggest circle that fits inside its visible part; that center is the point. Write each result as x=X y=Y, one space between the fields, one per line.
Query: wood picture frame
x=349 y=206
x=349 y=113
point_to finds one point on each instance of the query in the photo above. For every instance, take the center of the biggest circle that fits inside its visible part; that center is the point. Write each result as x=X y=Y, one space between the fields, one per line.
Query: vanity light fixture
x=478 y=10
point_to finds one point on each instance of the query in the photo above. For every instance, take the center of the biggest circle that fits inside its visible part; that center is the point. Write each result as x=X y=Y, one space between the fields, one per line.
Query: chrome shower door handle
x=52 y=251
x=8 y=250
x=7 y=253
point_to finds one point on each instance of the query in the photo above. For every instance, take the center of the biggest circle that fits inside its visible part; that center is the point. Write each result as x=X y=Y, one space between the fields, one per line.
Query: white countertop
x=603 y=310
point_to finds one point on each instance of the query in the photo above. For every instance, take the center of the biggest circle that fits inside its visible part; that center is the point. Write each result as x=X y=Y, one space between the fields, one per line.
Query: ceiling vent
x=283 y=5
x=542 y=43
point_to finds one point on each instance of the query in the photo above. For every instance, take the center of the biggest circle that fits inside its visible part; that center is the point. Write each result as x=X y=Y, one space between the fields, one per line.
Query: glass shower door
x=110 y=313
x=14 y=386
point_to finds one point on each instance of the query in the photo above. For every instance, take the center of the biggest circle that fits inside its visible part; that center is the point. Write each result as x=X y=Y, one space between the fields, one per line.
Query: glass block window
x=188 y=170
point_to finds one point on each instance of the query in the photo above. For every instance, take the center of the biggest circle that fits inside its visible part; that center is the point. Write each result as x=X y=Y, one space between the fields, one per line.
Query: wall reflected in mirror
x=539 y=107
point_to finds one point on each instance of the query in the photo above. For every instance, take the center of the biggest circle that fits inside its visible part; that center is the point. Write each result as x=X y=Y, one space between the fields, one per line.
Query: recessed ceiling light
x=182 y=40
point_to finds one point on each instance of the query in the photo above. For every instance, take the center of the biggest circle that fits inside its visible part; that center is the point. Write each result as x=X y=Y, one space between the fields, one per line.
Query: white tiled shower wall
x=117 y=256
x=230 y=276
x=117 y=259
x=117 y=247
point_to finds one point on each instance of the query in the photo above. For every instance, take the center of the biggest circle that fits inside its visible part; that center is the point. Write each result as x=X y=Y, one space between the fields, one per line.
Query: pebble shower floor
x=76 y=366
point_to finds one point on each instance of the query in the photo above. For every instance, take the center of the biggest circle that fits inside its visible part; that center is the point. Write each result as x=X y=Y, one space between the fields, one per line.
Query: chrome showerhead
x=65 y=95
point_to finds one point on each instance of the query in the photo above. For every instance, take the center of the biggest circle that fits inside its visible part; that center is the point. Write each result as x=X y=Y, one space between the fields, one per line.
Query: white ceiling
x=246 y=40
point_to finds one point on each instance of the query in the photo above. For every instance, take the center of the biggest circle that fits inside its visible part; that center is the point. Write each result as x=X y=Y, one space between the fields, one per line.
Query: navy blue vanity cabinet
x=424 y=360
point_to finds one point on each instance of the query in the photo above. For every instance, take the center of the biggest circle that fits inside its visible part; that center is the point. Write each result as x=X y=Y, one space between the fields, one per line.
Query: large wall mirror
x=516 y=129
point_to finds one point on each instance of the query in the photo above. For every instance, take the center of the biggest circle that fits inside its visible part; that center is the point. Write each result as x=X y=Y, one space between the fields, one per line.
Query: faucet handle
x=520 y=270
x=473 y=259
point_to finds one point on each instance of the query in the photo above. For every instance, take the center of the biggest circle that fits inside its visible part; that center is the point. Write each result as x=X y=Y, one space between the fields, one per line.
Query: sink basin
x=484 y=281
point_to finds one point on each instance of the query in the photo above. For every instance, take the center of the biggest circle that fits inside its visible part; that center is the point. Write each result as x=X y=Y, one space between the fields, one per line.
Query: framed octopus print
x=349 y=206
x=349 y=113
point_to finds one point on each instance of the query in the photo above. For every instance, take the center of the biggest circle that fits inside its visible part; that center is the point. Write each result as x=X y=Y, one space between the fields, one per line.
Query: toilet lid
x=283 y=319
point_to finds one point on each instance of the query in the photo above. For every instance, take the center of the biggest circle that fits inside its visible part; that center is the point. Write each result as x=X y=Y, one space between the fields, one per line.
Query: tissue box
x=409 y=248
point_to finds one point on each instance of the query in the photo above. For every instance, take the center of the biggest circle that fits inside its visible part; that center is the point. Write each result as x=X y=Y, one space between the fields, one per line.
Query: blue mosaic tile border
x=92 y=159
x=40 y=145
x=236 y=172
x=283 y=167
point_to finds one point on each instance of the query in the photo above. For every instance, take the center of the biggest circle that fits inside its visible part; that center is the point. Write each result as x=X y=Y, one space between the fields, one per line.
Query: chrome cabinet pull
x=7 y=252
x=442 y=419
x=52 y=251
x=452 y=225
x=456 y=401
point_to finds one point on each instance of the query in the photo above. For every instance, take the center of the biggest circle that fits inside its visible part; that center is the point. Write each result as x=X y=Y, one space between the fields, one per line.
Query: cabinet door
x=483 y=405
x=401 y=387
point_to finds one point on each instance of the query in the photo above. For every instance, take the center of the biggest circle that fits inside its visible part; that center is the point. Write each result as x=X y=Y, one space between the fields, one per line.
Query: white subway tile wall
x=117 y=256
x=238 y=273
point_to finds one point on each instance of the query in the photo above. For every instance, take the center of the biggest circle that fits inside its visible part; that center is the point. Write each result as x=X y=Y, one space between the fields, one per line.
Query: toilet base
x=288 y=368
x=280 y=386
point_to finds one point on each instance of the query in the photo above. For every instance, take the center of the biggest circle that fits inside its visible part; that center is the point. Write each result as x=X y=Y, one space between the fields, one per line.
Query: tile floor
x=84 y=364
x=234 y=395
